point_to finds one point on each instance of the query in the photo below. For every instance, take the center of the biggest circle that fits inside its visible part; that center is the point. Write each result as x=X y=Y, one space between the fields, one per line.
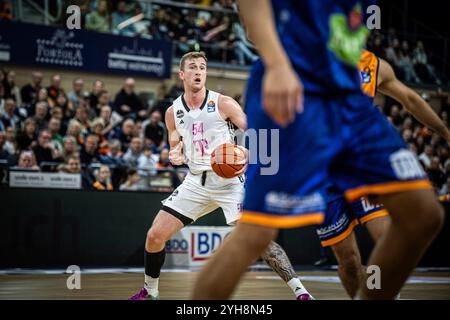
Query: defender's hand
x=245 y=162
x=282 y=94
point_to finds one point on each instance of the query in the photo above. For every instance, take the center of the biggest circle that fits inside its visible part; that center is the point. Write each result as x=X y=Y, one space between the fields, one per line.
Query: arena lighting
x=130 y=21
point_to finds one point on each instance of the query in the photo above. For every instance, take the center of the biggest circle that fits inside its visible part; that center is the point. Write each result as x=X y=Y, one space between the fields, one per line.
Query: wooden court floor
x=177 y=285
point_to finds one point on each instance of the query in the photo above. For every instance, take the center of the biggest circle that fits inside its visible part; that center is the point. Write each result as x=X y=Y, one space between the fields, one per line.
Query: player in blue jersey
x=329 y=131
x=341 y=217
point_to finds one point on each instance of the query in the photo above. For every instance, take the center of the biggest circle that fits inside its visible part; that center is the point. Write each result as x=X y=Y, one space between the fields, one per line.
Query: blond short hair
x=192 y=55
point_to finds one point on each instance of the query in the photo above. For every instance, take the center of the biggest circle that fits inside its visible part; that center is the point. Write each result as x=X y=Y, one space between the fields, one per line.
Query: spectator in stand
x=103 y=176
x=54 y=126
x=74 y=129
x=134 y=152
x=98 y=125
x=137 y=129
x=44 y=151
x=176 y=90
x=66 y=106
x=70 y=148
x=6 y=10
x=110 y=118
x=77 y=92
x=395 y=116
x=103 y=100
x=125 y=133
x=14 y=91
x=164 y=162
x=10 y=143
x=9 y=117
x=155 y=131
x=127 y=103
x=119 y=16
x=97 y=87
x=114 y=155
x=146 y=161
x=435 y=173
x=427 y=156
x=82 y=117
x=29 y=91
x=55 y=88
x=42 y=96
x=132 y=182
x=405 y=64
x=73 y=166
x=425 y=70
x=41 y=114
x=27 y=160
x=27 y=137
x=99 y=20
x=4 y=154
x=89 y=152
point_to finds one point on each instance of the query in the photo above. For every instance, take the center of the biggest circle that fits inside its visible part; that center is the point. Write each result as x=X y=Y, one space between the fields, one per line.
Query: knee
x=349 y=262
x=155 y=239
x=262 y=238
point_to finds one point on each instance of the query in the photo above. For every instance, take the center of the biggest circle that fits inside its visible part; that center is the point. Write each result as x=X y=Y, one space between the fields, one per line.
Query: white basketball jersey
x=202 y=130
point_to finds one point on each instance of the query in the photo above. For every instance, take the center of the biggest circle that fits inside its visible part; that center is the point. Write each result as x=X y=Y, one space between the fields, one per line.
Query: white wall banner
x=193 y=245
x=24 y=179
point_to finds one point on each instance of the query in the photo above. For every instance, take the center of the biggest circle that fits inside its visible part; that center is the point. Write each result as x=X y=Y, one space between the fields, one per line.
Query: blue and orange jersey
x=368 y=69
x=324 y=40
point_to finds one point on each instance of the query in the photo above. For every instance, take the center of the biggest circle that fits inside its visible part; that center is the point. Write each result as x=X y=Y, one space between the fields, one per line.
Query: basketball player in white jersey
x=198 y=122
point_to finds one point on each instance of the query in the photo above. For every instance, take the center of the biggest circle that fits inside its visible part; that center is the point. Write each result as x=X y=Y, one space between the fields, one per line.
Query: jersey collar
x=203 y=103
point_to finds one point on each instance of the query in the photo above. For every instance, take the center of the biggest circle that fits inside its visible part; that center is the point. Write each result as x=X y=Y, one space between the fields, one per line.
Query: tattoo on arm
x=277 y=259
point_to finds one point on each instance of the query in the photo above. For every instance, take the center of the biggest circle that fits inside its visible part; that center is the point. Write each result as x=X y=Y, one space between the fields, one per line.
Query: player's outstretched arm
x=176 y=155
x=389 y=85
x=282 y=89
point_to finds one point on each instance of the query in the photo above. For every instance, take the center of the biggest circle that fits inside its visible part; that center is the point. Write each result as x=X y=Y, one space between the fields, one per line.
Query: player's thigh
x=414 y=209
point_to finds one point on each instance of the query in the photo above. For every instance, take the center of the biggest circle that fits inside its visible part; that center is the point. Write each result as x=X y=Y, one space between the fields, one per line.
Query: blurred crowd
x=92 y=131
x=432 y=150
x=115 y=138
x=409 y=58
x=211 y=26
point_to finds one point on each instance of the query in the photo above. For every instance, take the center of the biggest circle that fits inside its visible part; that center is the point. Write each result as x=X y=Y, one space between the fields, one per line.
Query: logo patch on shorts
x=406 y=166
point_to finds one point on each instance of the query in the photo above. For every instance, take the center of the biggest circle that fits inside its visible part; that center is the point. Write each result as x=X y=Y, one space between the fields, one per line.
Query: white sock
x=296 y=286
x=151 y=284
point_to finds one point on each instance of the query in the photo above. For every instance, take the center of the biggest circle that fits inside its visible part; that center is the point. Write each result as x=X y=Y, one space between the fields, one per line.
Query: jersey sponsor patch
x=211 y=106
x=406 y=166
x=366 y=75
x=180 y=114
x=281 y=202
x=368 y=206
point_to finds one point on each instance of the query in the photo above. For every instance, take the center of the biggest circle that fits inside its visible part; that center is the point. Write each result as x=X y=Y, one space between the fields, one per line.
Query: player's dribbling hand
x=245 y=161
x=282 y=94
x=176 y=155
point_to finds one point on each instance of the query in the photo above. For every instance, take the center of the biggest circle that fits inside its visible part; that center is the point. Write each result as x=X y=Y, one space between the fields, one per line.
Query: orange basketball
x=227 y=159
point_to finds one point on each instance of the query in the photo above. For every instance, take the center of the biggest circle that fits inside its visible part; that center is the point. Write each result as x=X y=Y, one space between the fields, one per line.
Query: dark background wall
x=41 y=228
